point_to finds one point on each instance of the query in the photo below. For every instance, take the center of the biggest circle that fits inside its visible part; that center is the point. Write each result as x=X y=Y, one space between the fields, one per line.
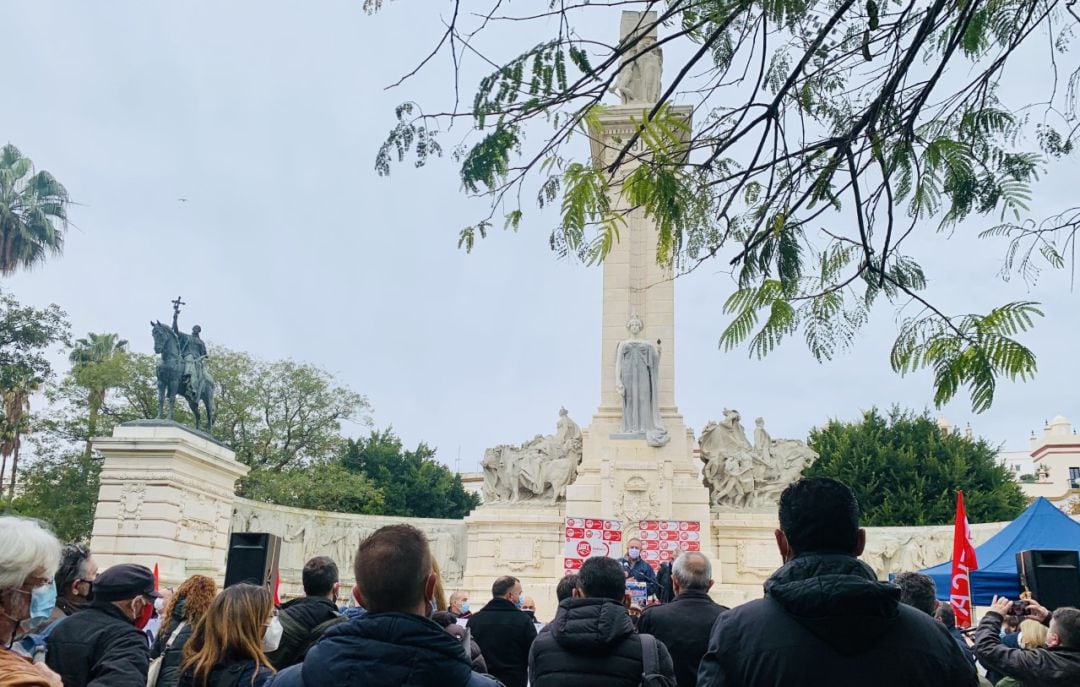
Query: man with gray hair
x=684 y=624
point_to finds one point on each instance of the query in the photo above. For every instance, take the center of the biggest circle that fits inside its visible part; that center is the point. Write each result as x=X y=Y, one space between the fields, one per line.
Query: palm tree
x=30 y=205
x=93 y=366
x=16 y=401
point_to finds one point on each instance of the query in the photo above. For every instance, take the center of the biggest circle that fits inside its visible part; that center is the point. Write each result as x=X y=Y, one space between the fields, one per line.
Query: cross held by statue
x=177 y=303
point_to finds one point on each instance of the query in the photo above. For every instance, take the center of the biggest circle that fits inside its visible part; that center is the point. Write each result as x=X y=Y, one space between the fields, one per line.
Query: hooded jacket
x=826 y=620
x=99 y=646
x=385 y=650
x=1051 y=667
x=591 y=642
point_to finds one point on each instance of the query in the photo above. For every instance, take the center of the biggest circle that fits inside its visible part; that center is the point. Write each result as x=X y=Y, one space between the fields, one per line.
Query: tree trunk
x=91 y=422
x=14 y=469
x=3 y=469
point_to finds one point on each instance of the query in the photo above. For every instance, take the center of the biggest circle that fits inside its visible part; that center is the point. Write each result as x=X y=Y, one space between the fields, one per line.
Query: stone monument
x=166 y=498
x=181 y=370
x=741 y=475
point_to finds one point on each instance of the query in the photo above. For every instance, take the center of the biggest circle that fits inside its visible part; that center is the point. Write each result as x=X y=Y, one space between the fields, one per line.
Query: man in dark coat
x=103 y=645
x=1056 y=665
x=684 y=624
x=825 y=619
x=919 y=591
x=505 y=633
x=305 y=620
x=592 y=641
x=393 y=644
x=635 y=566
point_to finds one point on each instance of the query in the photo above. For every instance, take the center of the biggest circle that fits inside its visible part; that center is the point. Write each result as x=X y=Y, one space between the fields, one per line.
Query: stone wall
x=307 y=533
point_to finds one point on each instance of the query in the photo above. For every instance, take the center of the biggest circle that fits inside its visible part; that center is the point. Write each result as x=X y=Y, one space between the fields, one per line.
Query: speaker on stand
x=252 y=558
x=1052 y=577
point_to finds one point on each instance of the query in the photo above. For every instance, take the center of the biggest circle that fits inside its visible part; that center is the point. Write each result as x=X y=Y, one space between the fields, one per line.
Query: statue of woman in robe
x=637 y=379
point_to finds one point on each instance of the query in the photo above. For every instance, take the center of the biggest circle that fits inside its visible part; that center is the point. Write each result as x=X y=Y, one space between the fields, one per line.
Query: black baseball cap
x=120 y=582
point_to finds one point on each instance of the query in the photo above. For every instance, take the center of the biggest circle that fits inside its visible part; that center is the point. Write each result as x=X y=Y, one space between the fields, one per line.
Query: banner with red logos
x=663 y=540
x=588 y=537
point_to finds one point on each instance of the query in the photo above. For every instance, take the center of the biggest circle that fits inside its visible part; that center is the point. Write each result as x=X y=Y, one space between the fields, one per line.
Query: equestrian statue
x=182 y=369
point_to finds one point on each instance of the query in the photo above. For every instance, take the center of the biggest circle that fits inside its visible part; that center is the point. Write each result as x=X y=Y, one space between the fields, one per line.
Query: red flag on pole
x=277 y=590
x=156 y=578
x=963 y=562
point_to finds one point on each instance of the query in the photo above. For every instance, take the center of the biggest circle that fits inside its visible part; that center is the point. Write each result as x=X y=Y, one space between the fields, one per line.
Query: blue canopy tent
x=1041 y=526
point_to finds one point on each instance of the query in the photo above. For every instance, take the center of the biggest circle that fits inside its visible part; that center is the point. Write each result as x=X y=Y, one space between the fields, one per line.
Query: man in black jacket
x=592 y=640
x=825 y=619
x=504 y=633
x=684 y=624
x=393 y=644
x=304 y=620
x=1057 y=664
x=103 y=645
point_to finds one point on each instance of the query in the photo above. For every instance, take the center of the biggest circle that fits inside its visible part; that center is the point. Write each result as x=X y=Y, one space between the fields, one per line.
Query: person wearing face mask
x=181 y=614
x=504 y=633
x=394 y=644
x=28 y=557
x=459 y=604
x=103 y=645
x=74 y=579
x=634 y=566
x=228 y=647
x=307 y=618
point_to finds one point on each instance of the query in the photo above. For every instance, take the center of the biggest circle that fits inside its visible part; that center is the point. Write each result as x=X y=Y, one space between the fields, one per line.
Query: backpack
x=297 y=639
x=650 y=664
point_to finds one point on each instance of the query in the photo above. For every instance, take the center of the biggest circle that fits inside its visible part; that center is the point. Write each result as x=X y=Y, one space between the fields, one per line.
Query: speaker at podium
x=252 y=558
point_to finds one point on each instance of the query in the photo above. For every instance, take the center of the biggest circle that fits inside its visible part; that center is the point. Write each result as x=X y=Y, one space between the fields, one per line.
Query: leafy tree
x=97 y=366
x=829 y=132
x=33 y=212
x=280 y=413
x=26 y=335
x=322 y=485
x=906 y=471
x=413 y=483
x=13 y=424
x=62 y=489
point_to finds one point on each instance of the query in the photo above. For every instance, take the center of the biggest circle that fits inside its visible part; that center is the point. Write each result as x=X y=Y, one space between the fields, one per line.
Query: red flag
x=963 y=562
x=277 y=590
x=156 y=578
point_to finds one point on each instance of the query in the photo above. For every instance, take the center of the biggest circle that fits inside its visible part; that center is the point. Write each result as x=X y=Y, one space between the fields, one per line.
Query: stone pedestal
x=524 y=541
x=745 y=547
x=167 y=498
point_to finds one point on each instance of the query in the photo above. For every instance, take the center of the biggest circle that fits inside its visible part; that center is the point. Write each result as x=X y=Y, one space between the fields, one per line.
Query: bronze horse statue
x=171 y=379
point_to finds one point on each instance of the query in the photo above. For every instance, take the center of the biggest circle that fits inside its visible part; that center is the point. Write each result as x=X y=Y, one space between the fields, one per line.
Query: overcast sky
x=266 y=116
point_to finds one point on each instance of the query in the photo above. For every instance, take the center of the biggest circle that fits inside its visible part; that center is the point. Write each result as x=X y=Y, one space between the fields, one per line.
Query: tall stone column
x=166 y=498
x=626 y=478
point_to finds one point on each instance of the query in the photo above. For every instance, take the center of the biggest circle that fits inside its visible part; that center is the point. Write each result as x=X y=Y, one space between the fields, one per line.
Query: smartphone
x=1019 y=608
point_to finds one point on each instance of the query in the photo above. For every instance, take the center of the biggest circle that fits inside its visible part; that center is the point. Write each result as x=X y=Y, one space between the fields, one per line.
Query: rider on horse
x=192 y=352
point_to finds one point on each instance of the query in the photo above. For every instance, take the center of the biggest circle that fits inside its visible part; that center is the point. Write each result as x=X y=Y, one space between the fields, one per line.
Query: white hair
x=693 y=571
x=26 y=547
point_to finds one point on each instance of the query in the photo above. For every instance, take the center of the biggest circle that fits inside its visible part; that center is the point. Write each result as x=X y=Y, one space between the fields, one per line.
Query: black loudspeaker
x=1052 y=577
x=252 y=558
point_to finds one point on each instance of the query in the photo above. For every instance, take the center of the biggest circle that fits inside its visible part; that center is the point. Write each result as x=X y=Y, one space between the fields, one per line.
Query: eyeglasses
x=37 y=582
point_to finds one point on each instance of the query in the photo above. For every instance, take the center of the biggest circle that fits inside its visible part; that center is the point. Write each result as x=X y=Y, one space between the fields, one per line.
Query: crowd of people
x=824 y=619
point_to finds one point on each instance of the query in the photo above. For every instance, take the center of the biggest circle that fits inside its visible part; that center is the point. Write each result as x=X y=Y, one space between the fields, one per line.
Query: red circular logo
x=584 y=548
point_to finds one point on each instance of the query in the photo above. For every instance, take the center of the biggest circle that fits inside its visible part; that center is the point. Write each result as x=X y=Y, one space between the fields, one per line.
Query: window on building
x=1074 y=478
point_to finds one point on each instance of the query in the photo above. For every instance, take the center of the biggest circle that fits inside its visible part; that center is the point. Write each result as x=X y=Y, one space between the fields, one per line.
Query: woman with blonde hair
x=229 y=644
x=1032 y=634
x=184 y=610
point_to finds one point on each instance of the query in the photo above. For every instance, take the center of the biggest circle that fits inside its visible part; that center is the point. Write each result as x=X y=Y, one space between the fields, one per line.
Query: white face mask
x=272 y=636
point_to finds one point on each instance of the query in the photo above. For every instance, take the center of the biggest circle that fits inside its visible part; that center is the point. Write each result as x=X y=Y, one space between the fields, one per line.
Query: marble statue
x=641 y=66
x=540 y=468
x=637 y=379
x=181 y=370
x=744 y=475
